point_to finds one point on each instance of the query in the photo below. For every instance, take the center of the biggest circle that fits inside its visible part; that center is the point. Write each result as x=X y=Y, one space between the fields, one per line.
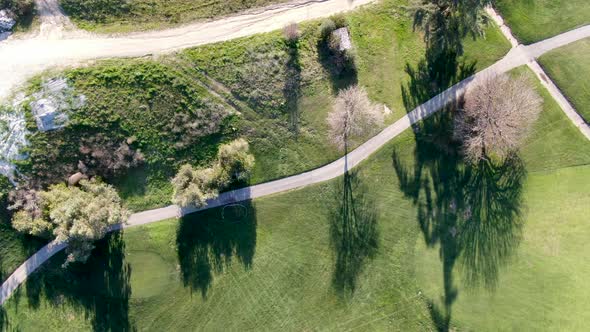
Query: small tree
x=291 y=32
x=353 y=116
x=234 y=162
x=78 y=215
x=497 y=116
x=193 y=187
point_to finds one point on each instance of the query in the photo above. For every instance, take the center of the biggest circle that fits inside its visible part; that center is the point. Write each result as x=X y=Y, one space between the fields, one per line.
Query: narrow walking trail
x=518 y=56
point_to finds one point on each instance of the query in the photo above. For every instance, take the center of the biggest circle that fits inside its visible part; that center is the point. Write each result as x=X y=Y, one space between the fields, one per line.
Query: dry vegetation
x=291 y=32
x=352 y=117
x=498 y=113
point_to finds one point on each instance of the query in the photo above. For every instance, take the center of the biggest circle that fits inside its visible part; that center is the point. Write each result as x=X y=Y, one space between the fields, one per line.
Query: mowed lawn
x=569 y=68
x=534 y=20
x=408 y=261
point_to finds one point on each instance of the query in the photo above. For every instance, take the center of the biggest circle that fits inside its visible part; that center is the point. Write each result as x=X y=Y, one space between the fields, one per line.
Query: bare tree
x=353 y=116
x=291 y=32
x=498 y=114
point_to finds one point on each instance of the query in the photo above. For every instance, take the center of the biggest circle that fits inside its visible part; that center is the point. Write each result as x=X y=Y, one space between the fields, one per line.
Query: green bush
x=327 y=27
x=21 y=8
x=339 y=20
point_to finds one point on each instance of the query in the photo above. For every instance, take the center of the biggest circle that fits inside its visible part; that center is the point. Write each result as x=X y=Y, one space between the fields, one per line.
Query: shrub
x=235 y=163
x=339 y=20
x=326 y=28
x=103 y=157
x=78 y=215
x=291 y=32
x=96 y=10
x=20 y=8
x=193 y=187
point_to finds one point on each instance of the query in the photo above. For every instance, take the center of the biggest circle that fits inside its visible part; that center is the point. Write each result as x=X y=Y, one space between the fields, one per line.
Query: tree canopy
x=352 y=117
x=498 y=114
x=77 y=215
x=194 y=186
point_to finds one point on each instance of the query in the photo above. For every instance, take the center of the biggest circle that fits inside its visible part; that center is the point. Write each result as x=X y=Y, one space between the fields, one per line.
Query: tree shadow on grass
x=340 y=68
x=100 y=288
x=292 y=87
x=3 y=320
x=472 y=213
x=354 y=232
x=208 y=242
x=433 y=74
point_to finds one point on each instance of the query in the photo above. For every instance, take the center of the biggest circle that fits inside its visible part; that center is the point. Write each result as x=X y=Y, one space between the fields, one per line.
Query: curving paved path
x=537 y=50
x=518 y=56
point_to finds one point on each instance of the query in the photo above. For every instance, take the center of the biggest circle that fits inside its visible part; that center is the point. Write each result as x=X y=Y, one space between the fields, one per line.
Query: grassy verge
x=397 y=268
x=567 y=66
x=126 y=16
x=534 y=20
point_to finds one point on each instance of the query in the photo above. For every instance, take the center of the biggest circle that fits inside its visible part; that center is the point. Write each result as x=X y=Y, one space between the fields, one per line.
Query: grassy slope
x=569 y=67
x=385 y=45
x=534 y=20
x=111 y=17
x=276 y=269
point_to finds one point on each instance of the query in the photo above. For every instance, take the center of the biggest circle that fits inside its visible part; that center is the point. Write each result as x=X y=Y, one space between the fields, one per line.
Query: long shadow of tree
x=354 y=232
x=433 y=74
x=340 y=67
x=472 y=212
x=209 y=241
x=100 y=287
x=292 y=87
x=3 y=320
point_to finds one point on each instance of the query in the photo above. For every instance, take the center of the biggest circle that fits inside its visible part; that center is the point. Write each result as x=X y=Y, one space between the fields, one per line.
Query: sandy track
x=22 y=58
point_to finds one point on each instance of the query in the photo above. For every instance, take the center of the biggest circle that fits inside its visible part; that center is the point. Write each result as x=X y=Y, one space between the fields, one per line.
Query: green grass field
x=125 y=16
x=413 y=240
x=568 y=67
x=275 y=94
x=120 y=93
x=534 y=20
